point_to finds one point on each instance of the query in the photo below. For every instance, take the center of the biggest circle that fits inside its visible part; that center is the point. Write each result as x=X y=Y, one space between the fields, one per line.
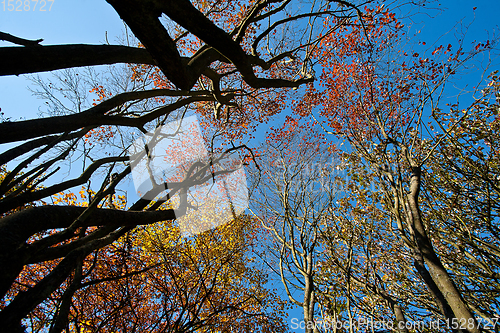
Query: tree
x=154 y=279
x=365 y=273
x=210 y=60
x=460 y=197
x=378 y=104
x=332 y=253
x=215 y=280
x=294 y=188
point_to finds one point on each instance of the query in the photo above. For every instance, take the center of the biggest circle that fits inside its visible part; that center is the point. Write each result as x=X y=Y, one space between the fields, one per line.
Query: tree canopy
x=230 y=61
x=399 y=225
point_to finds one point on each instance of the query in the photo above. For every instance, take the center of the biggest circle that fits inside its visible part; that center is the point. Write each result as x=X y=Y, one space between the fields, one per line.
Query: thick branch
x=186 y=15
x=22 y=149
x=16 y=228
x=23 y=60
x=142 y=18
x=25 y=301
x=93 y=117
x=19 y=41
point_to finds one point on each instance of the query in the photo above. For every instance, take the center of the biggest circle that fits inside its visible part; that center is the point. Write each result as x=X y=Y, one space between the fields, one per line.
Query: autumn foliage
x=405 y=226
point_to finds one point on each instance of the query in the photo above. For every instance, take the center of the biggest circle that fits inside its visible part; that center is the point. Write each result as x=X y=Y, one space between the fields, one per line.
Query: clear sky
x=68 y=22
x=87 y=21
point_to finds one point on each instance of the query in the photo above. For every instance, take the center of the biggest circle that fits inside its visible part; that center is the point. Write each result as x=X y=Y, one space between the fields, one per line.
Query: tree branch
x=93 y=117
x=24 y=60
x=19 y=41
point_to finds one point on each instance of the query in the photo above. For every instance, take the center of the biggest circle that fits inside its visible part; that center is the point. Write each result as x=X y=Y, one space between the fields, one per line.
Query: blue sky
x=68 y=22
x=87 y=21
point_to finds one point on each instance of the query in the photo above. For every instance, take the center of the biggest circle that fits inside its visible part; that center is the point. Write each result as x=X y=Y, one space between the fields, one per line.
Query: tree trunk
x=436 y=269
